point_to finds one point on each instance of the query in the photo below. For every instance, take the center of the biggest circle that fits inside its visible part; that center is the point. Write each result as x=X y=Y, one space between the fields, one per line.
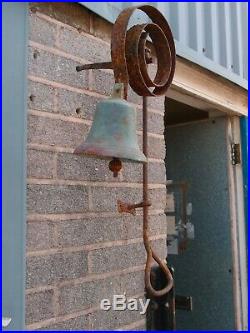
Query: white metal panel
x=211 y=34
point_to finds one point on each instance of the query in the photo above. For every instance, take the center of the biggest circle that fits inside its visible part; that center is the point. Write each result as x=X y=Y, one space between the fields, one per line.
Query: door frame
x=238 y=232
x=14 y=127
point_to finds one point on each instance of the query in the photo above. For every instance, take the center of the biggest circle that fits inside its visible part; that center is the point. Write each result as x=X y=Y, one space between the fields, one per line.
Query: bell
x=113 y=132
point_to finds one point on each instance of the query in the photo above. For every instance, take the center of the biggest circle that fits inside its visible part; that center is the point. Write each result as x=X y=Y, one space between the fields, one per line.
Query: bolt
x=33 y=10
x=148 y=56
x=32 y=97
x=35 y=54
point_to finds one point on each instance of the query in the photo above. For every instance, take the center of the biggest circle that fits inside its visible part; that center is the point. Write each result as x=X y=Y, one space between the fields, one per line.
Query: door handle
x=6 y=321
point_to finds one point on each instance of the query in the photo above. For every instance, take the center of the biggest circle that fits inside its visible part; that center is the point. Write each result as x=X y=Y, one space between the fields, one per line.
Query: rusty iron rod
x=98 y=65
x=145 y=173
x=141 y=204
x=108 y=64
x=124 y=207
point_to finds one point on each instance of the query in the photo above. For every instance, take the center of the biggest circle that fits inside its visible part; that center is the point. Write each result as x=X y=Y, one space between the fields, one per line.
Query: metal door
x=198 y=153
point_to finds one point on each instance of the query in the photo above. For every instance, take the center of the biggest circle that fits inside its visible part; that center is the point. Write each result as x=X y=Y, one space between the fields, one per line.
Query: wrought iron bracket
x=124 y=207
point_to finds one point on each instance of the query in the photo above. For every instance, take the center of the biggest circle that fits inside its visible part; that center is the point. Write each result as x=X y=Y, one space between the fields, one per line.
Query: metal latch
x=184 y=303
x=235 y=153
x=6 y=321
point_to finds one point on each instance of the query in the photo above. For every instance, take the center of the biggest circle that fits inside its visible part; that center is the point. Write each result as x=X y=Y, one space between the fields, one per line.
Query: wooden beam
x=205 y=90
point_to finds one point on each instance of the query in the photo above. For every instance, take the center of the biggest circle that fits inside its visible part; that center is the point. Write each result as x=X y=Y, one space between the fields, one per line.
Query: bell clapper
x=115 y=166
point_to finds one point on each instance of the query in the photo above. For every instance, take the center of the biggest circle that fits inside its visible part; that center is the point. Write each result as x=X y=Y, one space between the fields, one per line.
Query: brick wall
x=79 y=249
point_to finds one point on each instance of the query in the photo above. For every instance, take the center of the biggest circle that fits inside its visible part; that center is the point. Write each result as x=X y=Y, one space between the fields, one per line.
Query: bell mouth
x=131 y=154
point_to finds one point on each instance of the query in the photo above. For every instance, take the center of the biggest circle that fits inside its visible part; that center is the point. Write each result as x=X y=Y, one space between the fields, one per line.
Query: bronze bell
x=113 y=132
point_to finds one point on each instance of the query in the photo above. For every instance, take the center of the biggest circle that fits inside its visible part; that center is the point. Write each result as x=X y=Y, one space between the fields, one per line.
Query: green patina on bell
x=113 y=132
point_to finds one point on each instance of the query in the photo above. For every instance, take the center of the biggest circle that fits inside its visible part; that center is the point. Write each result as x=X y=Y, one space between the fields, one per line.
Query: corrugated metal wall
x=211 y=34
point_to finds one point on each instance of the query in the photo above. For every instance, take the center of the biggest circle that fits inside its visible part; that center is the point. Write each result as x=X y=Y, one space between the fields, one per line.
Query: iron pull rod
x=150 y=253
x=145 y=171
